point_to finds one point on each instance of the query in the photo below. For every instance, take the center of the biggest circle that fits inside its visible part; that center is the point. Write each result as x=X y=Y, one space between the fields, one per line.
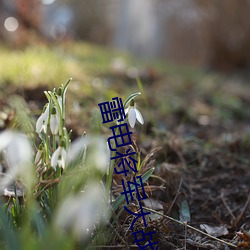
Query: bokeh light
x=48 y=2
x=58 y=31
x=11 y=24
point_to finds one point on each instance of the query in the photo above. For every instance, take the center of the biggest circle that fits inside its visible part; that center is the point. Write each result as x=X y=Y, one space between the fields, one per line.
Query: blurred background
x=211 y=34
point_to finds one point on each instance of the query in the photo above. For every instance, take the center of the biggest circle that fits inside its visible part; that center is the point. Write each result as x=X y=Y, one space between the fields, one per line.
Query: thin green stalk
x=111 y=168
x=54 y=142
x=52 y=95
x=112 y=163
x=63 y=100
x=47 y=137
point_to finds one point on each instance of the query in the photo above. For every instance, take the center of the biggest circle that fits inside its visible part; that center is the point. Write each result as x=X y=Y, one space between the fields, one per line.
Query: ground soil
x=202 y=158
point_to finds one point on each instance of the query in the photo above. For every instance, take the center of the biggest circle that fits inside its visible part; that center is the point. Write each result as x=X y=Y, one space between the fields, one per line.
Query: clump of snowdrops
x=60 y=189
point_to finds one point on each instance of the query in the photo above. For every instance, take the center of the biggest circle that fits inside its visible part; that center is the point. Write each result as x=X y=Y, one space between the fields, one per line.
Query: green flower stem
x=53 y=142
x=112 y=163
x=132 y=96
x=52 y=95
x=111 y=168
x=63 y=100
x=47 y=137
x=47 y=141
x=66 y=136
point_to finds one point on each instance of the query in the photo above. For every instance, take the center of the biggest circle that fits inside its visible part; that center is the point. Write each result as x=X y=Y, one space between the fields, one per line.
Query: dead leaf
x=245 y=236
x=153 y=204
x=215 y=231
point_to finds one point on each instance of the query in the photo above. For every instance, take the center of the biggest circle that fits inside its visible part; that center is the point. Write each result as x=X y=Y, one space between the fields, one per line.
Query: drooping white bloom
x=77 y=149
x=79 y=214
x=42 y=122
x=133 y=114
x=39 y=154
x=54 y=121
x=98 y=153
x=59 y=157
x=17 y=152
x=59 y=99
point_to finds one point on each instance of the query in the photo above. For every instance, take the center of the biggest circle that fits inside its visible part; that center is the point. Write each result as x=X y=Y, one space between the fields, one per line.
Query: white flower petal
x=19 y=151
x=79 y=214
x=44 y=127
x=139 y=116
x=126 y=110
x=59 y=158
x=39 y=123
x=42 y=121
x=61 y=163
x=55 y=156
x=46 y=113
x=38 y=156
x=132 y=117
x=64 y=154
x=59 y=99
x=63 y=158
x=66 y=215
x=77 y=148
x=54 y=124
x=101 y=154
x=18 y=155
x=5 y=139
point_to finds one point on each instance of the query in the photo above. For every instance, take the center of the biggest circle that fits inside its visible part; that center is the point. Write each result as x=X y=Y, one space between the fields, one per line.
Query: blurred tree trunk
x=229 y=34
x=214 y=33
x=92 y=22
x=28 y=13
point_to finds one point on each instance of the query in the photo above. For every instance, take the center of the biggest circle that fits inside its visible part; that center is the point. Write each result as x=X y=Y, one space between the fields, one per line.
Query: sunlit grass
x=37 y=65
x=94 y=78
x=41 y=64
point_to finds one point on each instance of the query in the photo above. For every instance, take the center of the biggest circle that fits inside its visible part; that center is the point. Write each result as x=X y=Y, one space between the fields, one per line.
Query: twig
x=175 y=198
x=48 y=185
x=57 y=180
x=227 y=207
x=185 y=242
x=118 y=246
x=239 y=217
x=190 y=227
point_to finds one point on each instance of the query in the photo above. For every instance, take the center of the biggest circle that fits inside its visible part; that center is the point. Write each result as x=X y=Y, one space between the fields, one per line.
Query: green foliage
x=120 y=199
x=34 y=64
x=47 y=65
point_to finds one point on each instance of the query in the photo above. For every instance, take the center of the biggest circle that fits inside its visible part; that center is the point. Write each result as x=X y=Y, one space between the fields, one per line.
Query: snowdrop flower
x=133 y=114
x=79 y=214
x=98 y=152
x=42 y=122
x=54 y=121
x=59 y=97
x=59 y=157
x=39 y=154
x=77 y=149
x=17 y=152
